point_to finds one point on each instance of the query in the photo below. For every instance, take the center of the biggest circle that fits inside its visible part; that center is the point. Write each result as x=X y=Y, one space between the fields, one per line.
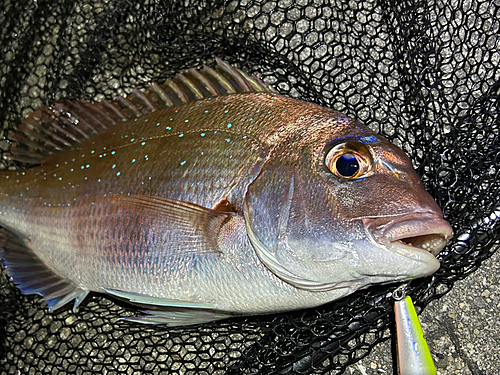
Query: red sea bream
x=211 y=196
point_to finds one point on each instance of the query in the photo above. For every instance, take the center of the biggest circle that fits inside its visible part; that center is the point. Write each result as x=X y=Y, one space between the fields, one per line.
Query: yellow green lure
x=414 y=357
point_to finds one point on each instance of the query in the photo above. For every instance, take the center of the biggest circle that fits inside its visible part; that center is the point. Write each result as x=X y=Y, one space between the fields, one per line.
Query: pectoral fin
x=177 y=317
x=190 y=228
x=171 y=312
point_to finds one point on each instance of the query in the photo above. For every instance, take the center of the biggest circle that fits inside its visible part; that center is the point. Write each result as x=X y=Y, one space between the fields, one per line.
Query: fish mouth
x=426 y=231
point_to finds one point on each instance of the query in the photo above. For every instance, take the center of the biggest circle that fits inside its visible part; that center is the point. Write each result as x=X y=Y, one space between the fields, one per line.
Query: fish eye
x=347 y=165
x=348 y=161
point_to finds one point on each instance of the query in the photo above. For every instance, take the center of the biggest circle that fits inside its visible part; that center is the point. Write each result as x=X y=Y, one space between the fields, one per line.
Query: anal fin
x=33 y=276
x=143 y=299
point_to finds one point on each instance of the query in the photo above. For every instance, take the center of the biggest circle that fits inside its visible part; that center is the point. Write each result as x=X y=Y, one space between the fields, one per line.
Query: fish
x=207 y=197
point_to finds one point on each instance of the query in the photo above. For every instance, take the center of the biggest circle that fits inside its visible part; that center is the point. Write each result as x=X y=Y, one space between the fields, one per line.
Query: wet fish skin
x=135 y=211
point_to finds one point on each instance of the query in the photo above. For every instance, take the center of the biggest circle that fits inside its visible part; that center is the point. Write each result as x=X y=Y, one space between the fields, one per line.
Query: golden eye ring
x=348 y=161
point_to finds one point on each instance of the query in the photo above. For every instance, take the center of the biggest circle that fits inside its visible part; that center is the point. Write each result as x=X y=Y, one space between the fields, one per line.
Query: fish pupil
x=347 y=165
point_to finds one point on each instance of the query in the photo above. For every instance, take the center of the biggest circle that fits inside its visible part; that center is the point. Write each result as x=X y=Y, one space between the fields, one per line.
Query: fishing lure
x=414 y=357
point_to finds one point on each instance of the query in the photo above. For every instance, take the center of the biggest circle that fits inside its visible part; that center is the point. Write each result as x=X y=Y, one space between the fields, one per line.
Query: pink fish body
x=211 y=196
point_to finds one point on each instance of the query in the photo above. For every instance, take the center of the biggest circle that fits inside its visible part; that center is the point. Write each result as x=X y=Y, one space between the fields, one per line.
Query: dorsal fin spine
x=128 y=104
x=176 y=89
x=208 y=85
x=72 y=115
x=27 y=142
x=145 y=100
x=108 y=105
x=52 y=118
x=77 y=111
x=222 y=80
x=162 y=95
x=235 y=74
x=190 y=85
x=51 y=135
x=102 y=113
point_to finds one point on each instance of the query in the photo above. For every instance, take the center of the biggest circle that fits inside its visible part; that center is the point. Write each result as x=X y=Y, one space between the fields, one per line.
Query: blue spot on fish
x=370 y=139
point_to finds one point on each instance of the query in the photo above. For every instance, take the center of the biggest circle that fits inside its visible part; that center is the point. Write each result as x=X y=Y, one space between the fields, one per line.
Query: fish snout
x=417 y=231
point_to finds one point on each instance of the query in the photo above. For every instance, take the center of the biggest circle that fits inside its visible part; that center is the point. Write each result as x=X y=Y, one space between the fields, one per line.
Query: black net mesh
x=425 y=74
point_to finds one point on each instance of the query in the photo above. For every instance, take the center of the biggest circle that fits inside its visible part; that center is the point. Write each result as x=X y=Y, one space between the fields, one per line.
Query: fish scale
x=208 y=208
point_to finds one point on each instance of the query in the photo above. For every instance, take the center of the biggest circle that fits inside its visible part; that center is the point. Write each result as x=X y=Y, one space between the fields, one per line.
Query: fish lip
x=421 y=231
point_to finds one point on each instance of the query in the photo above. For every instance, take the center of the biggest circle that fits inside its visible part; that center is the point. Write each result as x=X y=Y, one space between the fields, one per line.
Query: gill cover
x=291 y=238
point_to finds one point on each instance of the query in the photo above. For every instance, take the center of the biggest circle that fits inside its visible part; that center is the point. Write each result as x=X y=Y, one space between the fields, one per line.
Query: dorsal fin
x=64 y=124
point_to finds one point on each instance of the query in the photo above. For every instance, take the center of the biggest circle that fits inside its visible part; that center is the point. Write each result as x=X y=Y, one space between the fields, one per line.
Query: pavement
x=462 y=329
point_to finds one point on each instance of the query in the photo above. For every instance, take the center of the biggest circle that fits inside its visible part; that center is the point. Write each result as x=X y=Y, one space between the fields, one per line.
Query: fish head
x=339 y=206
